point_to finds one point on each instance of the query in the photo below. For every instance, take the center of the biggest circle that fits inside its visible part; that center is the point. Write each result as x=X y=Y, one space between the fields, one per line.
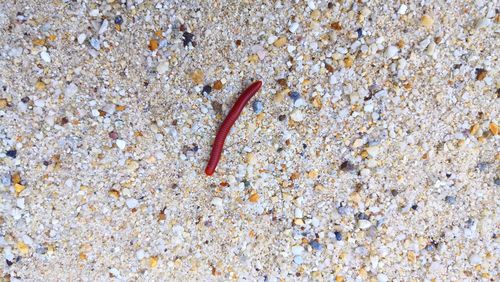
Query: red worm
x=226 y=125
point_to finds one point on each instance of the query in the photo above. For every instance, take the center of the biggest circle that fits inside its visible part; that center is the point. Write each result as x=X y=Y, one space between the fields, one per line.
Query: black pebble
x=414 y=207
x=188 y=38
x=11 y=153
x=360 y=32
x=118 y=20
x=281 y=117
x=346 y=166
x=338 y=236
x=206 y=89
x=25 y=99
x=362 y=216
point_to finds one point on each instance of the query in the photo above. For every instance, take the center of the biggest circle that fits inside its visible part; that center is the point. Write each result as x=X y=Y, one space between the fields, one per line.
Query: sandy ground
x=371 y=152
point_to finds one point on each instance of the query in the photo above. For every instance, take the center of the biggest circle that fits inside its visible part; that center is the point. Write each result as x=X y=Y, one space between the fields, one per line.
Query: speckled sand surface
x=371 y=152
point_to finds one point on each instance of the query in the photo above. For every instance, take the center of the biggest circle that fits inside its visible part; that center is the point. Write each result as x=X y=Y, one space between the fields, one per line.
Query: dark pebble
x=450 y=199
x=316 y=245
x=394 y=192
x=362 y=216
x=118 y=20
x=188 y=38
x=338 y=236
x=360 y=32
x=281 y=117
x=294 y=95
x=25 y=99
x=206 y=90
x=414 y=207
x=497 y=181
x=113 y=135
x=346 y=166
x=11 y=153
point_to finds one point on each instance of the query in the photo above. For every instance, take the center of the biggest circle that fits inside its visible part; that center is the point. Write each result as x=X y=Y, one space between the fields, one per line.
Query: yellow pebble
x=19 y=188
x=153 y=261
x=348 y=61
x=82 y=256
x=22 y=247
x=427 y=21
x=253 y=58
x=339 y=278
x=280 y=42
x=412 y=257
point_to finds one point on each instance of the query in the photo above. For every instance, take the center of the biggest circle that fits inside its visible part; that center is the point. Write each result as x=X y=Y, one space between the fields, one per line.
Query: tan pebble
x=3 y=103
x=39 y=85
x=412 y=258
x=336 y=26
x=38 y=42
x=218 y=85
x=51 y=249
x=280 y=42
x=298 y=221
x=319 y=188
x=317 y=103
x=280 y=96
x=120 y=108
x=313 y=174
x=197 y=77
x=315 y=15
x=474 y=129
x=348 y=61
x=114 y=193
x=339 y=278
x=250 y=158
x=493 y=128
x=82 y=256
x=481 y=74
x=362 y=273
x=427 y=21
x=153 y=44
x=254 y=198
x=357 y=143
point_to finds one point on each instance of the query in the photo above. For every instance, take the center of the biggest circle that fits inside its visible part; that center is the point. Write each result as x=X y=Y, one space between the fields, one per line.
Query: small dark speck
x=448 y=175
x=11 y=153
x=9 y=263
x=5 y=88
x=118 y=20
x=281 y=117
x=394 y=192
x=414 y=207
x=279 y=150
x=25 y=99
x=304 y=145
x=46 y=163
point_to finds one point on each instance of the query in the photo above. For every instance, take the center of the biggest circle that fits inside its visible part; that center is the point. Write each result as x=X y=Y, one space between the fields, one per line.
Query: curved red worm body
x=226 y=125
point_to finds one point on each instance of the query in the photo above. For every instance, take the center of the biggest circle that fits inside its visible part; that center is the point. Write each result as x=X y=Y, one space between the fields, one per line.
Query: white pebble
x=297 y=250
x=475 y=259
x=71 y=90
x=382 y=277
x=140 y=254
x=94 y=13
x=373 y=151
x=364 y=224
x=298 y=213
x=368 y=107
x=299 y=103
x=217 y=202
x=132 y=203
x=402 y=9
x=45 y=56
x=162 y=67
x=293 y=27
x=121 y=144
x=483 y=23
x=391 y=51
x=81 y=38
x=297 y=116
x=298 y=260
x=104 y=26
x=271 y=39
